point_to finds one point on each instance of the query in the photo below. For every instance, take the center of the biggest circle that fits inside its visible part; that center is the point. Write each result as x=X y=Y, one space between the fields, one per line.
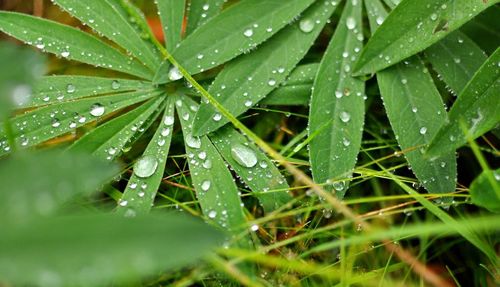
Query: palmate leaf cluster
x=250 y=53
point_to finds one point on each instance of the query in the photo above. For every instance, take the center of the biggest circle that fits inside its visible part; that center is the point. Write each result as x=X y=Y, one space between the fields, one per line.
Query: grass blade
x=475 y=112
x=102 y=16
x=415 y=110
x=199 y=12
x=115 y=250
x=296 y=90
x=143 y=186
x=266 y=67
x=456 y=58
x=257 y=170
x=251 y=21
x=215 y=189
x=49 y=122
x=57 y=89
x=337 y=110
x=172 y=18
x=56 y=177
x=414 y=26
x=68 y=42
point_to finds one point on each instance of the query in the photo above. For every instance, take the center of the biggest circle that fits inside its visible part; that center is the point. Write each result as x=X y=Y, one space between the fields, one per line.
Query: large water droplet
x=306 y=25
x=212 y=214
x=97 y=110
x=169 y=120
x=243 y=155
x=423 y=130
x=146 y=166
x=174 y=74
x=350 y=23
x=205 y=186
x=70 y=88
x=115 y=85
x=248 y=33
x=193 y=142
x=345 y=117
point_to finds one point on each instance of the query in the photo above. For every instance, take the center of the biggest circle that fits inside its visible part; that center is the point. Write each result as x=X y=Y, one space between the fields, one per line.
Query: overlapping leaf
x=485 y=190
x=253 y=167
x=49 y=122
x=200 y=12
x=337 y=110
x=68 y=42
x=235 y=31
x=249 y=78
x=148 y=170
x=102 y=16
x=172 y=18
x=415 y=110
x=475 y=112
x=412 y=27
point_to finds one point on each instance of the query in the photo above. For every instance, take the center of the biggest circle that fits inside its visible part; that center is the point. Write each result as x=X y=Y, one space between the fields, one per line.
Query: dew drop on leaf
x=423 y=130
x=146 y=166
x=97 y=110
x=306 y=25
x=205 y=185
x=350 y=23
x=115 y=85
x=168 y=120
x=174 y=74
x=248 y=33
x=70 y=88
x=243 y=155
x=193 y=142
x=345 y=117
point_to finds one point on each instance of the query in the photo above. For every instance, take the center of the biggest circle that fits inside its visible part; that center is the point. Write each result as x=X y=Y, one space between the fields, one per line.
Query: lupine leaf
x=297 y=88
x=267 y=67
x=63 y=251
x=258 y=172
x=414 y=26
x=235 y=31
x=475 y=112
x=49 y=122
x=215 y=189
x=69 y=42
x=56 y=89
x=337 y=110
x=106 y=20
x=172 y=18
x=199 y=12
x=143 y=186
x=55 y=176
x=485 y=190
x=415 y=110
x=456 y=58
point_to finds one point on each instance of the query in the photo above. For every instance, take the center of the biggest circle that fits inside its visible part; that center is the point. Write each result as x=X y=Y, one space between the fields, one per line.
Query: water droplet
x=168 y=120
x=404 y=81
x=165 y=132
x=414 y=109
x=423 y=130
x=346 y=142
x=263 y=164
x=97 y=110
x=193 y=142
x=248 y=33
x=185 y=116
x=70 y=88
x=434 y=17
x=217 y=117
x=248 y=103
x=205 y=185
x=345 y=117
x=243 y=155
x=207 y=164
x=123 y=202
x=379 y=20
x=306 y=25
x=174 y=74
x=146 y=166
x=350 y=23
x=65 y=54
x=212 y=214
x=112 y=151
x=271 y=82
x=338 y=94
x=115 y=85
x=254 y=227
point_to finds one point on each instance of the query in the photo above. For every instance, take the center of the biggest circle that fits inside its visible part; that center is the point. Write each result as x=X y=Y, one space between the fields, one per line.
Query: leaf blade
x=69 y=42
x=199 y=12
x=172 y=18
x=335 y=140
x=412 y=27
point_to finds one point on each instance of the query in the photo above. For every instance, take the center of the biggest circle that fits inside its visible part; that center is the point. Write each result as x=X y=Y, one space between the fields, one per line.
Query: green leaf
x=337 y=110
x=456 y=58
x=414 y=26
x=296 y=90
x=104 y=18
x=93 y=250
x=215 y=189
x=20 y=69
x=485 y=190
x=56 y=89
x=172 y=18
x=415 y=110
x=475 y=112
x=199 y=12
x=267 y=67
x=256 y=169
x=483 y=29
x=113 y=145
x=251 y=22
x=49 y=122
x=56 y=177
x=69 y=42
x=148 y=170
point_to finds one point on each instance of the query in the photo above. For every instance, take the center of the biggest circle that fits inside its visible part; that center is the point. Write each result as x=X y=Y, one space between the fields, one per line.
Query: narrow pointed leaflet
x=172 y=17
x=337 y=110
